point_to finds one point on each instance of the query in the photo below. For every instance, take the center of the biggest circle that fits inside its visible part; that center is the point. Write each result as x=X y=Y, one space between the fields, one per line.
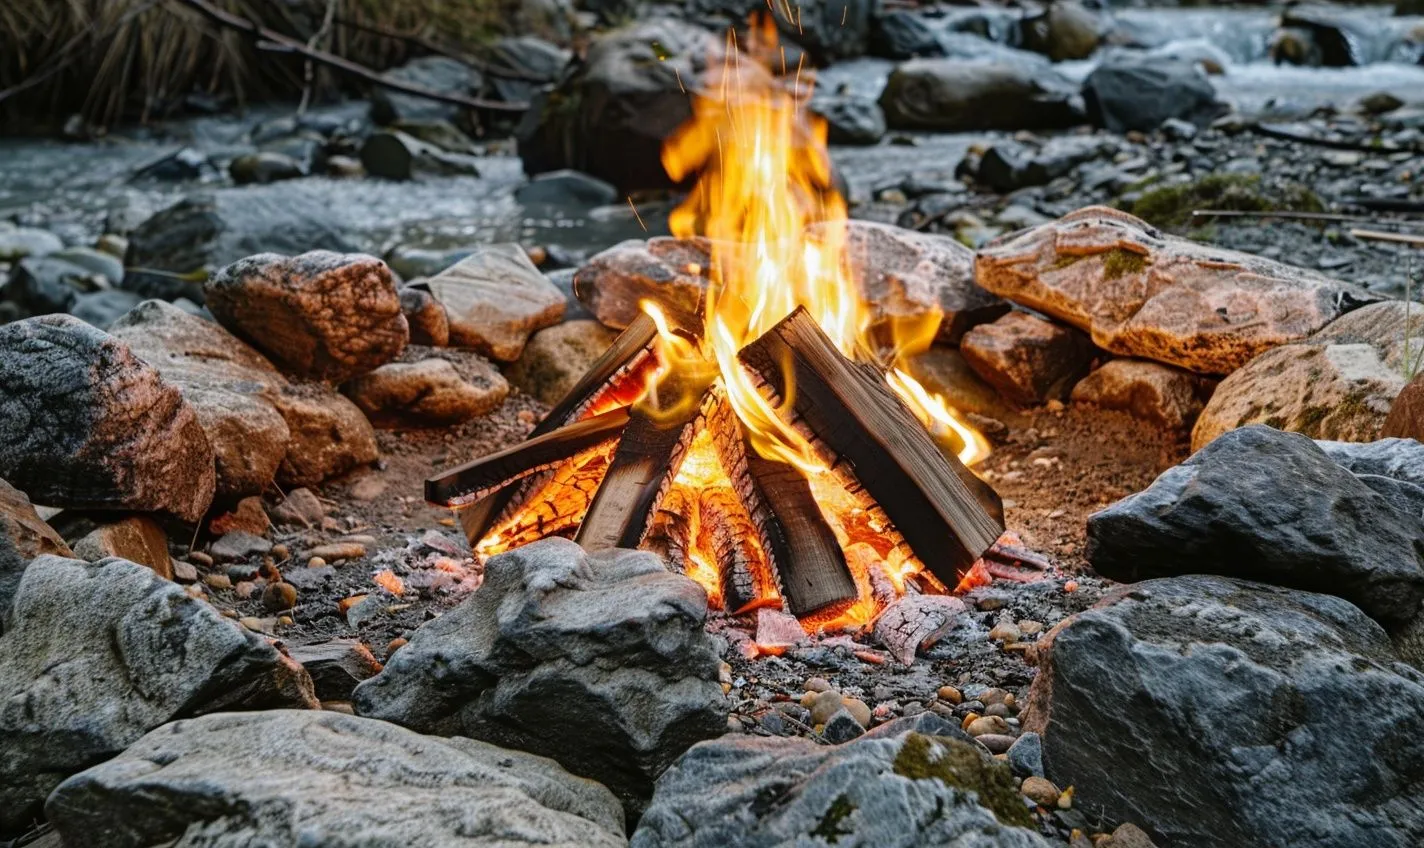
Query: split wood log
x=850 y=414
x=558 y=505
x=472 y=481
x=610 y=377
x=727 y=533
x=671 y=535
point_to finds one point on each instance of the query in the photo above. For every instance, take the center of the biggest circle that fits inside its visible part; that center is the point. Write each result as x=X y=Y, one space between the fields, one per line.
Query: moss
x=1171 y=207
x=1067 y=260
x=829 y=828
x=1308 y=422
x=1277 y=422
x=1119 y=263
x=959 y=765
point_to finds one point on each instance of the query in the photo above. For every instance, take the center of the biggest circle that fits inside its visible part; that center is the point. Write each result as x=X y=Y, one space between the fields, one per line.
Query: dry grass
x=140 y=59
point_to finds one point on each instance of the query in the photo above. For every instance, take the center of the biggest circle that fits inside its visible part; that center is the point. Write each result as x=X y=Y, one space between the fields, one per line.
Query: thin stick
x=1299 y=216
x=1286 y=133
x=435 y=49
x=1397 y=238
x=309 y=69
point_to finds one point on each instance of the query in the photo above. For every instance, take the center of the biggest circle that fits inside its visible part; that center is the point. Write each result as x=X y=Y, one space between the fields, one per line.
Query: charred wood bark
x=671 y=534
x=727 y=532
x=560 y=503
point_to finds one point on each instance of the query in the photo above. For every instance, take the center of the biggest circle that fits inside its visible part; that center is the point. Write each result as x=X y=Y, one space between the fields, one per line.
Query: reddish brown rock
x=1140 y=292
x=429 y=325
x=1406 y=414
x=1029 y=360
x=137 y=538
x=23 y=536
x=427 y=393
x=1165 y=396
x=330 y=435
x=249 y=516
x=323 y=315
x=494 y=298
x=557 y=357
x=668 y=271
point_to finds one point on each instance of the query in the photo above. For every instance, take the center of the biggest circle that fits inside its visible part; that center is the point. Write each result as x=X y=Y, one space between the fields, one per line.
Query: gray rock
x=1399 y=459
x=904 y=34
x=85 y=423
x=1271 y=506
x=1129 y=93
x=103 y=308
x=99 y=655
x=1065 y=31
x=494 y=298
x=851 y=120
x=1220 y=712
x=827 y=31
x=183 y=164
x=1008 y=165
x=21 y=242
x=1029 y=360
x=229 y=780
x=336 y=666
x=538 y=61
x=892 y=791
x=599 y=661
x=265 y=167
x=323 y=315
x=842 y=727
x=1025 y=756
x=43 y=285
x=435 y=73
x=23 y=536
x=100 y=264
x=397 y=155
x=238 y=546
x=566 y=189
x=958 y=95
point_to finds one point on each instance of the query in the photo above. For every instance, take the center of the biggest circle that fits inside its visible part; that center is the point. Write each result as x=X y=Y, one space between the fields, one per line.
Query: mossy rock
x=1171 y=207
x=960 y=765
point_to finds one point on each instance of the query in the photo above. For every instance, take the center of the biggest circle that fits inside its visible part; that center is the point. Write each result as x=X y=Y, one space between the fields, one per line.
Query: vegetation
x=959 y=765
x=115 y=60
x=1171 y=207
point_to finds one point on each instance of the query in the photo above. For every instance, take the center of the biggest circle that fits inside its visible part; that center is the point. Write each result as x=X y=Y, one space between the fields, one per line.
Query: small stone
x=279 y=596
x=1026 y=755
x=200 y=558
x=281 y=552
x=1065 y=801
x=999 y=710
x=137 y=538
x=239 y=545
x=184 y=572
x=316 y=562
x=218 y=581
x=252 y=623
x=555 y=358
x=842 y=727
x=248 y=516
x=1168 y=397
x=859 y=709
x=395 y=645
x=1006 y=632
x=299 y=508
x=950 y=695
x=1040 y=791
x=987 y=725
x=338 y=551
x=244 y=589
x=1128 y=835
x=992 y=696
x=996 y=743
x=824 y=705
x=817 y=684
x=1029 y=627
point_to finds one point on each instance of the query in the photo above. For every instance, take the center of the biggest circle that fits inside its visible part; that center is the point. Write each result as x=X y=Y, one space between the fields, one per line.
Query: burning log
x=726 y=530
x=557 y=505
x=847 y=411
x=671 y=536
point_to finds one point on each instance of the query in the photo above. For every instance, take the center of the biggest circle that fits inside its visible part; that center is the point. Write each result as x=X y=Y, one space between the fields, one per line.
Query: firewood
x=610 y=376
x=671 y=534
x=558 y=505
x=727 y=532
x=856 y=421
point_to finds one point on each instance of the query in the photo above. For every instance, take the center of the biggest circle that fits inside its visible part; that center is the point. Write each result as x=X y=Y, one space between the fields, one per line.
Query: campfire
x=773 y=447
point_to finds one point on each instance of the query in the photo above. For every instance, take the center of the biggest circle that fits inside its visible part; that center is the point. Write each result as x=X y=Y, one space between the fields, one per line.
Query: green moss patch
x=1171 y=207
x=829 y=827
x=959 y=765
x=1119 y=263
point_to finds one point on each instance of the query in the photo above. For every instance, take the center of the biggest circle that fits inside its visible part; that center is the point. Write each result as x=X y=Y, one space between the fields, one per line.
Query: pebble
x=195 y=591
x=251 y=623
x=184 y=572
x=818 y=684
x=997 y=743
x=858 y=709
x=986 y=725
x=244 y=589
x=1065 y=801
x=279 y=596
x=218 y=581
x=340 y=550
x=950 y=695
x=280 y=552
x=1070 y=586
x=842 y=727
x=395 y=645
x=997 y=710
x=316 y=562
x=1040 y=791
x=1029 y=627
x=992 y=696
x=1006 y=632
x=200 y=558
x=1026 y=755
x=824 y=705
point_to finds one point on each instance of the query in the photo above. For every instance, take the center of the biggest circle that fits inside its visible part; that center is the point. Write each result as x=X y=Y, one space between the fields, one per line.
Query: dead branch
x=435 y=49
x=1396 y=238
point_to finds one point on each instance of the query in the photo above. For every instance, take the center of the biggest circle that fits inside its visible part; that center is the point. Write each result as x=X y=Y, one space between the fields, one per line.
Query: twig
x=1285 y=133
x=1396 y=238
x=435 y=49
x=309 y=69
x=291 y=45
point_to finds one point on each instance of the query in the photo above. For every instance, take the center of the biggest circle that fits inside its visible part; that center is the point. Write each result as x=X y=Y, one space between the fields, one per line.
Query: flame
x=766 y=199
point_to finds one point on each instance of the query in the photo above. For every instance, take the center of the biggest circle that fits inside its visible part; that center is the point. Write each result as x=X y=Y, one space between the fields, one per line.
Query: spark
x=635 y=213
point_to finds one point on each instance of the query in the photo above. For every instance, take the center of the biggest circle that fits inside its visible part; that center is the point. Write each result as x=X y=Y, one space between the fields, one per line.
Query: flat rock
x=85 y=423
x=1240 y=714
x=669 y=271
x=599 y=661
x=1142 y=293
x=965 y=95
x=1264 y=505
x=23 y=536
x=336 y=666
x=1165 y=396
x=495 y=298
x=557 y=357
x=1341 y=383
x=136 y=538
x=892 y=790
x=323 y=315
x=18 y=243
x=290 y=777
x=100 y=654
x=427 y=393
x=1029 y=360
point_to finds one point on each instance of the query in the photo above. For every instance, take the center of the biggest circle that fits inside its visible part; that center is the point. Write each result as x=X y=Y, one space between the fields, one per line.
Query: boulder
x=138 y=539
x=336 y=666
x=494 y=299
x=1064 y=31
x=1264 y=505
x=610 y=115
x=85 y=423
x=1340 y=383
x=18 y=243
x=395 y=155
x=1168 y=397
x=850 y=119
x=434 y=73
x=290 y=777
x=566 y=189
x=100 y=654
x=328 y=316
x=598 y=660
x=669 y=271
x=1133 y=93
x=967 y=95
x=1142 y=293
x=895 y=789
x=329 y=435
x=557 y=357
x=1029 y=360
x=426 y=393
x=1240 y=714
x=23 y=536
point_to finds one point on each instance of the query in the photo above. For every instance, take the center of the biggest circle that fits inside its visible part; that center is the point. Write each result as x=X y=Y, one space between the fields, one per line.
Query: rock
x=609 y=116
x=103 y=308
x=336 y=667
x=959 y=95
x=566 y=189
x=1029 y=360
x=903 y=34
x=851 y=120
x=1133 y=93
x=86 y=424
x=138 y=539
x=1041 y=791
x=300 y=508
x=1201 y=53
x=1379 y=103
x=394 y=155
x=1340 y=383
x=597 y=660
x=23 y=536
x=429 y=325
x=228 y=779
x=1142 y=293
x=434 y=73
x=278 y=597
x=842 y=727
x=428 y=393
x=885 y=790
x=669 y=271
x=494 y=299
x=1008 y=165
x=986 y=725
x=209 y=232
x=329 y=435
x=1241 y=714
x=23 y=242
x=248 y=515
x=265 y=167
x=557 y=357
x=440 y=134
x=1338 y=37
x=1025 y=756
x=1064 y=31
x=323 y=315
x=100 y=654
x=828 y=31
x=43 y=285
x=1128 y=835
x=1165 y=396
x=539 y=62
x=239 y=546
x=1251 y=505
x=181 y=165
x=1406 y=413
x=99 y=264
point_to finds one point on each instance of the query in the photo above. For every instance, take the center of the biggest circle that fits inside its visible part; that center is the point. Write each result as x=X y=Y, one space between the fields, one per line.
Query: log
x=619 y=365
x=557 y=506
x=727 y=533
x=472 y=481
x=854 y=419
x=671 y=535
x=647 y=460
